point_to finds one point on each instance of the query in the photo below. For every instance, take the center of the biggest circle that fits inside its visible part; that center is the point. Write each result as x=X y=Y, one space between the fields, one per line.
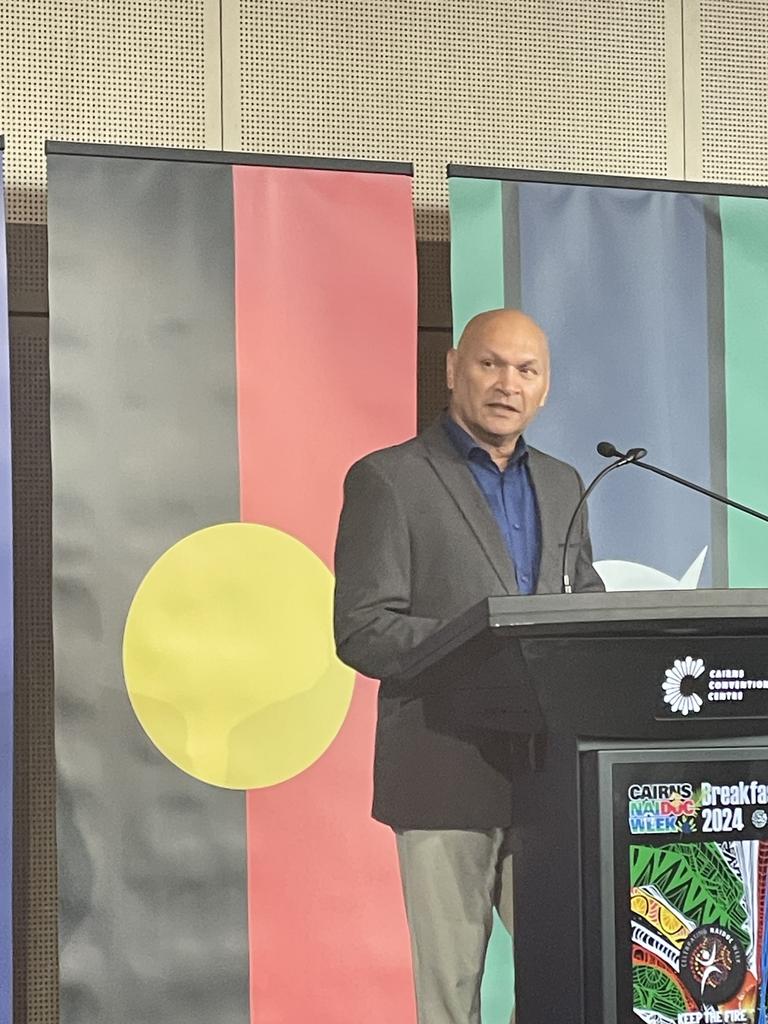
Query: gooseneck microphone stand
x=634 y=457
x=605 y=445
x=621 y=460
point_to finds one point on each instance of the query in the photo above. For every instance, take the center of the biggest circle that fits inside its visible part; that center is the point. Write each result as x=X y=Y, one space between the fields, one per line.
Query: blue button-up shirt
x=511 y=498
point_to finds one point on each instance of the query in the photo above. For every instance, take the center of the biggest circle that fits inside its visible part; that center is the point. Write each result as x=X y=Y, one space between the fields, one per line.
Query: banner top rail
x=209 y=156
x=708 y=188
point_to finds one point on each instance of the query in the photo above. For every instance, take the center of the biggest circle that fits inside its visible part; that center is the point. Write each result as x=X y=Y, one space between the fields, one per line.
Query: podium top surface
x=644 y=613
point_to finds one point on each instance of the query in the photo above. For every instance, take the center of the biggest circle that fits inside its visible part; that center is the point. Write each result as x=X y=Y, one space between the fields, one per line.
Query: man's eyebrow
x=489 y=353
x=530 y=360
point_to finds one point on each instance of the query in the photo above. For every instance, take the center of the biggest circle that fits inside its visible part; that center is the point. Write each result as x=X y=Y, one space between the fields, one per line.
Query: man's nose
x=509 y=380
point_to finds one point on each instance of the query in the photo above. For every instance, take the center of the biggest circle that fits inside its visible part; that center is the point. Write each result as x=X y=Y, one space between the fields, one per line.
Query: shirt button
x=516 y=526
x=524 y=578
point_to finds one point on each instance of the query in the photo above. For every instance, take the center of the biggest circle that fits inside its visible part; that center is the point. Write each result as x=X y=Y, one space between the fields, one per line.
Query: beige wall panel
x=726 y=102
x=579 y=85
x=138 y=72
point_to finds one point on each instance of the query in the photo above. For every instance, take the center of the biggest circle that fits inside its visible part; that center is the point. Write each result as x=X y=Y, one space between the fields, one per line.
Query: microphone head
x=637 y=453
x=607 y=450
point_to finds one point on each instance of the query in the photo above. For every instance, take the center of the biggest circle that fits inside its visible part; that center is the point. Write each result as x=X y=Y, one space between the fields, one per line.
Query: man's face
x=499 y=377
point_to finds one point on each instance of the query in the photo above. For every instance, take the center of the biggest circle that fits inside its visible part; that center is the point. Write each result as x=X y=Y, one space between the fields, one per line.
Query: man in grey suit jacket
x=430 y=527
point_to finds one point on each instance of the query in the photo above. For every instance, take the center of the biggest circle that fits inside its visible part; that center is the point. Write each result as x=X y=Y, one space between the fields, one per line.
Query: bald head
x=502 y=322
x=498 y=376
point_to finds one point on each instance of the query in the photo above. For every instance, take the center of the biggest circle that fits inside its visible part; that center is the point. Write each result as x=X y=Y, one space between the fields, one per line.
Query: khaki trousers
x=452 y=880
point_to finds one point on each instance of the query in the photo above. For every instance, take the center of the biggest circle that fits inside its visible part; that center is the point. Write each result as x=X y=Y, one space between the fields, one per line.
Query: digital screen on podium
x=690 y=862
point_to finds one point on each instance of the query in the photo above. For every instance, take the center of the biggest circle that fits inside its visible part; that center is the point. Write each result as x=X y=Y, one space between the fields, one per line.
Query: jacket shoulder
x=550 y=464
x=391 y=461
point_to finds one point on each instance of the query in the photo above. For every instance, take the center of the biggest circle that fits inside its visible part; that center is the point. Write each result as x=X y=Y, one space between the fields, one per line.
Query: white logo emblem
x=618 y=575
x=677 y=690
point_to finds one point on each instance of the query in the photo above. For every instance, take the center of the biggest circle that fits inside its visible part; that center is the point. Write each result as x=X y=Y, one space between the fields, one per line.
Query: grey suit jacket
x=418 y=545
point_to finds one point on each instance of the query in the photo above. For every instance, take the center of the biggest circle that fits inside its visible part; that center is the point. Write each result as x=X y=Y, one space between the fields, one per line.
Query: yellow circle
x=639 y=903
x=669 y=922
x=229 y=658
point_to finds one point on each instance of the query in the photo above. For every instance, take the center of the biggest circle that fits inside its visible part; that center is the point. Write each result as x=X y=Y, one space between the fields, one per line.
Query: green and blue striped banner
x=655 y=300
x=654 y=296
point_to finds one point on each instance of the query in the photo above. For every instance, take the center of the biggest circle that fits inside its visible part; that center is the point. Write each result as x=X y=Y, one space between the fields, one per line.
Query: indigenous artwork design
x=699 y=944
x=697 y=881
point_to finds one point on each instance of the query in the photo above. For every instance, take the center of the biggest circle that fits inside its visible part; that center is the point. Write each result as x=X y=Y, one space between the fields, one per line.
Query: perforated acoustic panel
x=582 y=85
x=726 y=67
x=432 y=392
x=27 y=267
x=143 y=72
x=35 y=980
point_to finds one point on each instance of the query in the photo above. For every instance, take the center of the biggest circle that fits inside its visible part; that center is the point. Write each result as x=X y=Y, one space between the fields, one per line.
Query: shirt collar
x=467 y=446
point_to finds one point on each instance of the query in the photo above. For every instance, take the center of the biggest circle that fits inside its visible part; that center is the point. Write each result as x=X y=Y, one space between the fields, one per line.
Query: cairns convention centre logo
x=680 y=686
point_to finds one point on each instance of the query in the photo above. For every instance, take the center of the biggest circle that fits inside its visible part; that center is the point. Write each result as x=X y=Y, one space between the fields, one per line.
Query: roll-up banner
x=228 y=334
x=6 y=635
x=654 y=295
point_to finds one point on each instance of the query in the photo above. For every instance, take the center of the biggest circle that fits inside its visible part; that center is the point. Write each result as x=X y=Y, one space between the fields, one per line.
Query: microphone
x=609 y=451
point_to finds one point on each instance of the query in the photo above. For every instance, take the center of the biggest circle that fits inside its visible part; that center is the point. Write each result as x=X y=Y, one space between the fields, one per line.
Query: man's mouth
x=501 y=407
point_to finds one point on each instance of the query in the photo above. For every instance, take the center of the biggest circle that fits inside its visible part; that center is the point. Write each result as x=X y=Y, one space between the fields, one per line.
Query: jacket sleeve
x=373 y=624
x=586 y=577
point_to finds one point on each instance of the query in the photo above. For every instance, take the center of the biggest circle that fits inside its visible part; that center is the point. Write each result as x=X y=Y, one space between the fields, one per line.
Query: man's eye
x=486 y=362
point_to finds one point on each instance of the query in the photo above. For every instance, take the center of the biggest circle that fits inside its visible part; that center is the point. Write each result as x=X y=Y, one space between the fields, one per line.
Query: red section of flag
x=326 y=363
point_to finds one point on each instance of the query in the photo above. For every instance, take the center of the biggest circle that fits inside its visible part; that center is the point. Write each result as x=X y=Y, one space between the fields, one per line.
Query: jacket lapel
x=547 y=498
x=462 y=488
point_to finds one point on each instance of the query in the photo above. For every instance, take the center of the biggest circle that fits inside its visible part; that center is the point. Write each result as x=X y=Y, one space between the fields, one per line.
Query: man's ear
x=450 y=367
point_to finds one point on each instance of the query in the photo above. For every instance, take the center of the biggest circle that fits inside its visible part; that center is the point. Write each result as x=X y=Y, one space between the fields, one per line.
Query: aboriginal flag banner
x=6 y=637
x=228 y=334
x=654 y=295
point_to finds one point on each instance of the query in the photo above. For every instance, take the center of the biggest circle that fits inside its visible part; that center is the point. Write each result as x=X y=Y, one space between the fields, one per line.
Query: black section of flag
x=144 y=449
